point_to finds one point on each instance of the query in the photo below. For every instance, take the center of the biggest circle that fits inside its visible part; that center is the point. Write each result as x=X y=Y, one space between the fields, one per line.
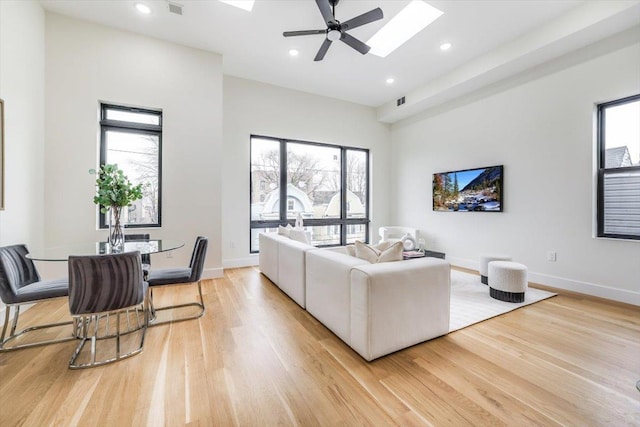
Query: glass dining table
x=62 y=253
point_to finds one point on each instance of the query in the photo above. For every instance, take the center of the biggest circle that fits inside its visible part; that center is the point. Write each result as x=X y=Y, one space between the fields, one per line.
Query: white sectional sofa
x=282 y=260
x=378 y=308
x=375 y=308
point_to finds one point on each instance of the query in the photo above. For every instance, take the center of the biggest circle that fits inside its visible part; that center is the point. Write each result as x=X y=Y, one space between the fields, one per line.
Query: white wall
x=256 y=108
x=22 y=89
x=88 y=63
x=542 y=132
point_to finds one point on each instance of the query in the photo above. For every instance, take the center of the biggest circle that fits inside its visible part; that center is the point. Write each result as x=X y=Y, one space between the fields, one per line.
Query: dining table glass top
x=62 y=253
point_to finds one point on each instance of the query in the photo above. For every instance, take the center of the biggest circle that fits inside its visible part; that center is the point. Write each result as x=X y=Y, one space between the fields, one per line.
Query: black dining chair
x=102 y=287
x=180 y=276
x=146 y=258
x=20 y=284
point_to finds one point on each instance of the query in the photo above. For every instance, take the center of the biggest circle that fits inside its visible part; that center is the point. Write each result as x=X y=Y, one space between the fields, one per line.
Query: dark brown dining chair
x=180 y=276
x=146 y=258
x=102 y=287
x=20 y=284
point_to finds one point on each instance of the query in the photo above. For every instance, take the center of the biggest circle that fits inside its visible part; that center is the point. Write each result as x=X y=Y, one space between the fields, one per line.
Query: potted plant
x=114 y=191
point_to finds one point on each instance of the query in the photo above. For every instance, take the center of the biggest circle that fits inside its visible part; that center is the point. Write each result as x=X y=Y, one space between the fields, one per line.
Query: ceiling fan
x=337 y=30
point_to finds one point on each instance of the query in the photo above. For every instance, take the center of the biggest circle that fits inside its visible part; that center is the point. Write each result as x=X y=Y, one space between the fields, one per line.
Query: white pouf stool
x=484 y=265
x=508 y=281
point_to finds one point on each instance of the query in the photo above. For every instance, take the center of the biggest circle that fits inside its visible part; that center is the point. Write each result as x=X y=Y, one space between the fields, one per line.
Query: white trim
x=621 y=295
x=250 y=261
x=213 y=273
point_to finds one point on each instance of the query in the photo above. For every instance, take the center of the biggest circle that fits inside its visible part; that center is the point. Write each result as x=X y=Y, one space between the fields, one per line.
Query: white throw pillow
x=385 y=244
x=285 y=231
x=351 y=250
x=299 y=235
x=373 y=255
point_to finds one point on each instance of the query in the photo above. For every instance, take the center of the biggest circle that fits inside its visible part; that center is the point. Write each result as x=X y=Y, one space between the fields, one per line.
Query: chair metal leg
x=86 y=335
x=4 y=339
x=171 y=307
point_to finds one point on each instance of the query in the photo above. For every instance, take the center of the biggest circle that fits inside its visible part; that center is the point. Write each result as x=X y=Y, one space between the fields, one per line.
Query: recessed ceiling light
x=390 y=80
x=143 y=8
x=445 y=46
x=407 y=23
x=242 y=4
x=293 y=52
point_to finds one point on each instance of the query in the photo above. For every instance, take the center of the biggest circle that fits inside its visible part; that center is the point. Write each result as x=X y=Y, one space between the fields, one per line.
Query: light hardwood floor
x=257 y=359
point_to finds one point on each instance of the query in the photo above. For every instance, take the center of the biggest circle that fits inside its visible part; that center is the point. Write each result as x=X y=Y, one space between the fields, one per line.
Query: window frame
x=603 y=171
x=131 y=127
x=342 y=221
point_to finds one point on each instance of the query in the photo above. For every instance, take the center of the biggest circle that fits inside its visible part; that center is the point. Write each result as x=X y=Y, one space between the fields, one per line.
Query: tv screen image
x=468 y=190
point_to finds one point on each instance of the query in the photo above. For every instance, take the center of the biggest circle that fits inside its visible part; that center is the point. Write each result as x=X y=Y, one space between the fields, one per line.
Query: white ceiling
x=253 y=47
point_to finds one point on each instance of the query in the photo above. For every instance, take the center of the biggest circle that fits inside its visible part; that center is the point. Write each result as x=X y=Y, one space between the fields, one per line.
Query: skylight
x=406 y=24
x=242 y=4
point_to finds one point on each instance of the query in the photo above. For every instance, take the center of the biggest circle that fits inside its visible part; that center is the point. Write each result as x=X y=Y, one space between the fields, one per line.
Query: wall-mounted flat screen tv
x=469 y=190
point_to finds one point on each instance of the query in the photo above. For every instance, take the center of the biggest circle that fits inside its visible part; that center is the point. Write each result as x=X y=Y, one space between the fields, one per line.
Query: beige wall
x=256 y=108
x=542 y=132
x=88 y=63
x=22 y=89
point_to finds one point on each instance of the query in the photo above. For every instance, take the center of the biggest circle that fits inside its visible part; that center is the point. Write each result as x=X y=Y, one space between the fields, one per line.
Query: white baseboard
x=250 y=261
x=212 y=273
x=620 y=295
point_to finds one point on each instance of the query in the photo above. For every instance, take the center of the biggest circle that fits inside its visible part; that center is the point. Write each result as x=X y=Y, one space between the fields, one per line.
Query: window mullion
x=283 y=181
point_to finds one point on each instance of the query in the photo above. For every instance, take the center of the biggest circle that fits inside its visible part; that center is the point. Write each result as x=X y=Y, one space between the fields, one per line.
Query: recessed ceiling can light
x=143 y=8
x=407 y=23
x=390 y=80
x=293 y=52
x=445 y=46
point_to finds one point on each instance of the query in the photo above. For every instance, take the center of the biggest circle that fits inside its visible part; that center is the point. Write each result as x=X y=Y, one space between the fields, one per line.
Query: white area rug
x=471 y=303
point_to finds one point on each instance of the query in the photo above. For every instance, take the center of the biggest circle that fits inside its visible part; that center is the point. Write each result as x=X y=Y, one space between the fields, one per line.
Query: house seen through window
x=326 y=184
x=619 y=168
x=132 y=139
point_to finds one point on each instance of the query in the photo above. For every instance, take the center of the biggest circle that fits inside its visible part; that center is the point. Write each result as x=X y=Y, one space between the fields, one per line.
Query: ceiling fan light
x=294 y=52
x=407 y=23
x=445 y=46
x=334 y=35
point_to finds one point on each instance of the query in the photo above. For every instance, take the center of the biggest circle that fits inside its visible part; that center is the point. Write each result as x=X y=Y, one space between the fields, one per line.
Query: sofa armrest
x=395 y=305
x=328 y=278
x=268 y=258
x=292 y=268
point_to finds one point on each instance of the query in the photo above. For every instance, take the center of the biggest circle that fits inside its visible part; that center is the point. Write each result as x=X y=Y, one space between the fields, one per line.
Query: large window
x=132 y=139
x=326 y=184
x=619 y=168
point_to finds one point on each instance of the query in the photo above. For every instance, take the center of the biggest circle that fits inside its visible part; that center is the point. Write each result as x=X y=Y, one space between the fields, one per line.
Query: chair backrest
x=146 y=258
x=197 y=258
x=99 y=283
x=16 y=271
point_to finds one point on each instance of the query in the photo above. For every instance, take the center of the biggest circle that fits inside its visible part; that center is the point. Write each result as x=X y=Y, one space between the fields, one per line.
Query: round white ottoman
x=508 y=281
x=484 y=265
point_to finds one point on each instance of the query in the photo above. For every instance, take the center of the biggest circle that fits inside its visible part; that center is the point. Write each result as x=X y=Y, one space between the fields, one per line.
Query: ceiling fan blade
x=323 y=50
x=365 y=18
x=303 y=33
x=325 y=10
x=355 y=43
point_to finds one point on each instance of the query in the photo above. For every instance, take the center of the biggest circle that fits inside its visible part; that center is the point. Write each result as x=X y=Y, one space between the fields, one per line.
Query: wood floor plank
x=257 y=359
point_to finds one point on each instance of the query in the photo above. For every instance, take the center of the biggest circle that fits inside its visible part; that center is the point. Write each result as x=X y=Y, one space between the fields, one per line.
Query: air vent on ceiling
x=175 y=8
x=400 y=101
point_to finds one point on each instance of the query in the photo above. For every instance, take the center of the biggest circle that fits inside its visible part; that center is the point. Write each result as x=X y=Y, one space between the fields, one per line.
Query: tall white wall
x=256 y=108
x=22 y=89
x=88 y=63
x=542 y=131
